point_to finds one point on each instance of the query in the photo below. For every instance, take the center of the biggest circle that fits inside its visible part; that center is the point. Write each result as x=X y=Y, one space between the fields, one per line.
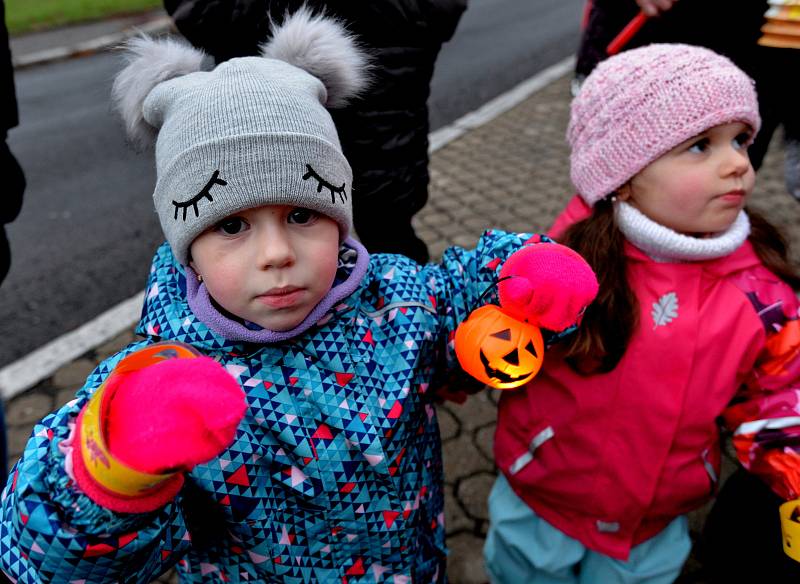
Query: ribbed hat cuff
x=260 y=169
x=595 y=179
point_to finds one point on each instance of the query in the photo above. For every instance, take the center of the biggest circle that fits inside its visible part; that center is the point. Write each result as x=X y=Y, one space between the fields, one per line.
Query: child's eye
x=742 y=140
x=231 y=226
x=302 y=216
x=699 y=147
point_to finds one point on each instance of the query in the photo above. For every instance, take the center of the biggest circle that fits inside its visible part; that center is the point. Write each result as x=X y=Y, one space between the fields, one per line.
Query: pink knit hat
x=640 y=104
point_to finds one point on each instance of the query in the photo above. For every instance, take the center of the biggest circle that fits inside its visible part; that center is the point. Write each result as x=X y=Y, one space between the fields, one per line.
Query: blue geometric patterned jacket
x=335 y=474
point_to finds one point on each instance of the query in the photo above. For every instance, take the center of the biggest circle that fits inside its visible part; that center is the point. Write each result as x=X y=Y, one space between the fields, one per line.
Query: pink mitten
x=162 y=411
x=548 y=285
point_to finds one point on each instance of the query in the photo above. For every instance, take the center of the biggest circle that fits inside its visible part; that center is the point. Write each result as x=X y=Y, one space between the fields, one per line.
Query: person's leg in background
x=13 y=186
x=792 y=162
x=385 y=138
x=10 y=205
x=790 y=116
x=764 y=65
x=3 y=449
x=383 y=217
x=604 y=21
x=10 y=200
x=391 y=187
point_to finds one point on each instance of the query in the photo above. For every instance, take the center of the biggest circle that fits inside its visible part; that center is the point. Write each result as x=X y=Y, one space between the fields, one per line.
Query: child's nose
x=736 y=162
x=275 y=249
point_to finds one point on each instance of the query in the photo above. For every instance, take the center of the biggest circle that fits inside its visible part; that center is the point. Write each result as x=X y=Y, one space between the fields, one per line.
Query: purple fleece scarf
x=204 y=309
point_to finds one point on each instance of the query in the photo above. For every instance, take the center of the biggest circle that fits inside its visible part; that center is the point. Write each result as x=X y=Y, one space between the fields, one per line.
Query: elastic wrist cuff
x=105 y=469
x=105 y=478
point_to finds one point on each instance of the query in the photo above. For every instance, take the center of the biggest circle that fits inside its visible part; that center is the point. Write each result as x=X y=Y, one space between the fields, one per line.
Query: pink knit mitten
x=548 y=285
x=162 y=411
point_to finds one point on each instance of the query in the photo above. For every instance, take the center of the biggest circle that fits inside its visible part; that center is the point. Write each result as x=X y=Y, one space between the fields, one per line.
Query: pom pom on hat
x=638 y=105
x=321 y=46
x=150 y=62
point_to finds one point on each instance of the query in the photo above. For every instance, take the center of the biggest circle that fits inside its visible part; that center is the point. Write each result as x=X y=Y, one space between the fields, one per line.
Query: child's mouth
x=281 y=297
x=733 y=196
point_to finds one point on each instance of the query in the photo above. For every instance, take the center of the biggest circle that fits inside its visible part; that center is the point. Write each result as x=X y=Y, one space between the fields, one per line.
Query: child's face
x=270 y=265
x=698 y=187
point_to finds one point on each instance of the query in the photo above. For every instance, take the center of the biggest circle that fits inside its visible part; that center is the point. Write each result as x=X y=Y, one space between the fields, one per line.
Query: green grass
x=29 y=15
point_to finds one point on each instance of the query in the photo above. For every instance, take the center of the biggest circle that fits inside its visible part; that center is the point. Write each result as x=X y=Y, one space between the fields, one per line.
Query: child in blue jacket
x=276 y=424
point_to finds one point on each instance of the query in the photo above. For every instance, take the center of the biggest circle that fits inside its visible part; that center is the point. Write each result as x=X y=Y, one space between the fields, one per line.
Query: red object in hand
x=546 y=284
x=626 y=34
x=162 y=411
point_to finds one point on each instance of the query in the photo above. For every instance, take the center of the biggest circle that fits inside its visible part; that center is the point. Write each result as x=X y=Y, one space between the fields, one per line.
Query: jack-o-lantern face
x=497 y=349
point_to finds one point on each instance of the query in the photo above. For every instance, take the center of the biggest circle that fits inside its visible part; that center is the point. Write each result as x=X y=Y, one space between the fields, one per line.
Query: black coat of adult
x=13 y=181
x=384 y=135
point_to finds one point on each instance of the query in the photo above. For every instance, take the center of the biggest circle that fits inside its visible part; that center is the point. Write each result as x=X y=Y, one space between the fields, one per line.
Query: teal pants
x=523 y=547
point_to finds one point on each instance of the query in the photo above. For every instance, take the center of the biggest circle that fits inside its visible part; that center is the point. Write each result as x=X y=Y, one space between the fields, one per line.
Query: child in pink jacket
x=607 y=450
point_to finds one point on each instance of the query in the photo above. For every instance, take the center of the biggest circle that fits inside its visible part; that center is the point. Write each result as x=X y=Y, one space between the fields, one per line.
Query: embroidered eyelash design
x=325 y=184
x=203 y=194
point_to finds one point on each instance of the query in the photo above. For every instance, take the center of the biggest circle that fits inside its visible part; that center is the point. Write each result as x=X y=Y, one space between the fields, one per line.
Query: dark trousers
x=397 y=236
x=13 y=181
x=741 y=541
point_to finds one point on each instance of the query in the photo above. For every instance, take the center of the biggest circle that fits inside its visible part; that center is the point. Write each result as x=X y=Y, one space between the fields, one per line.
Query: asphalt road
x=87 y=231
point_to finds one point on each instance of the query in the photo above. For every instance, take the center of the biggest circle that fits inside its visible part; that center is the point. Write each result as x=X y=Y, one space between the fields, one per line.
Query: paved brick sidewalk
x=511 y=173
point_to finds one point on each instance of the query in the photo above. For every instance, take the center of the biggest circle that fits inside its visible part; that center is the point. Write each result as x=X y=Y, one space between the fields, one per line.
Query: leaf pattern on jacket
x=665 y=310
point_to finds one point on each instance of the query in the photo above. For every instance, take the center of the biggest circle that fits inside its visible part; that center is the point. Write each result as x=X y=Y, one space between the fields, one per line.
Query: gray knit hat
x=253 y=131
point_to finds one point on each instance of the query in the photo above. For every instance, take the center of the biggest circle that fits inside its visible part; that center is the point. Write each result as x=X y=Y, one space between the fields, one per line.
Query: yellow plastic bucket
x=790 y=528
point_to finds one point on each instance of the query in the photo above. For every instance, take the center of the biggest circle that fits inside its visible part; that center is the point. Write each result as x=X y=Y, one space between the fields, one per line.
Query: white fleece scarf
x=665 y=245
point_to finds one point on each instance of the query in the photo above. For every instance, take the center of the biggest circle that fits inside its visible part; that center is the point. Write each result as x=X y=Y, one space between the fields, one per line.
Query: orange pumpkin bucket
x=498 y=349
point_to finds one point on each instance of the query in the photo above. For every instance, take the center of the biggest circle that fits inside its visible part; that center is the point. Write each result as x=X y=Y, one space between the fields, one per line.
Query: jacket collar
x=353 y=261
x=170 y=313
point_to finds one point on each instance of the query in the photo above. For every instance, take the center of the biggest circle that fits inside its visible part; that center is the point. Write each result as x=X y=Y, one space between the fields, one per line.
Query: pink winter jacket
x=611 y=459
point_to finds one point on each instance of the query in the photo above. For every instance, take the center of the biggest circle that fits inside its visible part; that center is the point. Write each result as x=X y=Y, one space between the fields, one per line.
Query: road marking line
x=106 y=41
x=499 y=105
x=44 y=361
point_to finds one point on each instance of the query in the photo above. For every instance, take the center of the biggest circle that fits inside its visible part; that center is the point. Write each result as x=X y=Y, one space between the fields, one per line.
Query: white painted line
x=44 y=56
x=442 y=136
x=499 y=105
x=44 y=361
x=156 y=26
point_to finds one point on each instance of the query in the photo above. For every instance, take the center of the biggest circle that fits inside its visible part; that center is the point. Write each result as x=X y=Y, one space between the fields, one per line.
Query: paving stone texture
x=511 y=173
